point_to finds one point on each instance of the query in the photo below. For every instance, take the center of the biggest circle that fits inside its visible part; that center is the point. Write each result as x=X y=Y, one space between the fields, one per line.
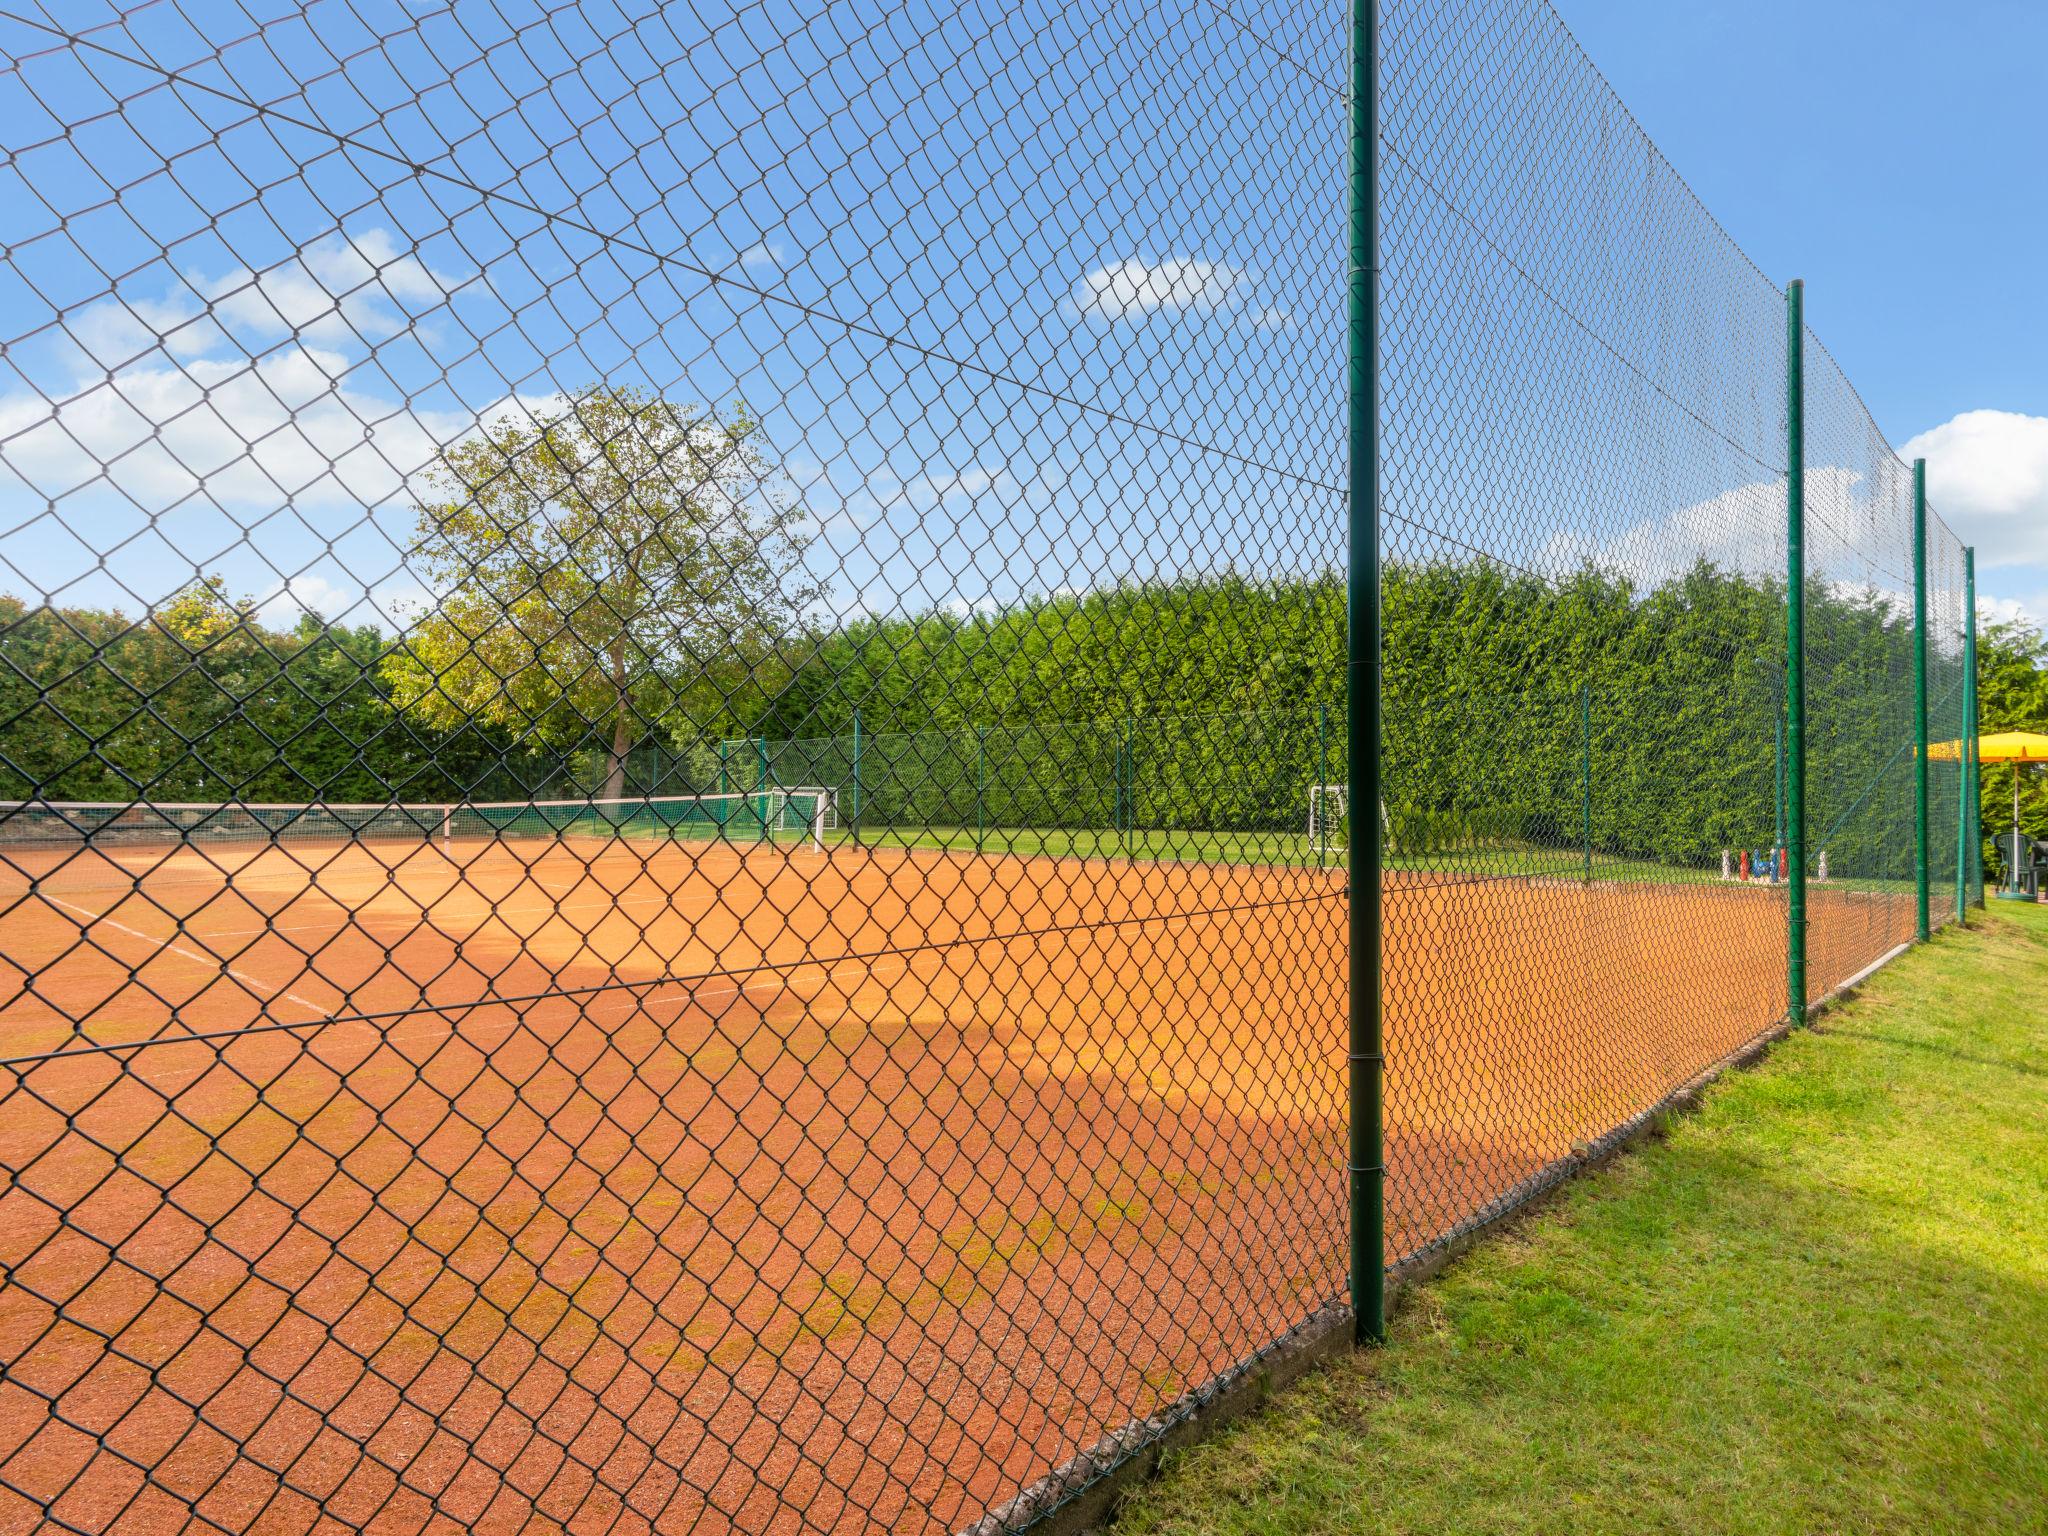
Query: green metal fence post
x=1795 y=650
x=1586 y=775
x=980 y=786
x=1973 y=766
x=1365 y=1161
x=853 y=811
x=1963 y=804
x=1922 y=923
x=724 y=777
x=764 y=790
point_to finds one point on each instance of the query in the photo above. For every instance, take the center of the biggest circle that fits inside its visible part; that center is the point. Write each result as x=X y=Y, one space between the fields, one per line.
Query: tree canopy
x=1205 y=703
x=617 y=566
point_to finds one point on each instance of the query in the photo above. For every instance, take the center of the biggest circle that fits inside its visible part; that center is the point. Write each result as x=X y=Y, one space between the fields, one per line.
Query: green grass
x=1251 y=847
x=1101 y=843
x=1477 y=861
x=1820 y=1305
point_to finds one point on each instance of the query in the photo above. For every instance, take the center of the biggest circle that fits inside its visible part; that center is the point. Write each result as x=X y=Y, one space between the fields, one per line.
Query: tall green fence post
x=1922 y=917
x=1795 y=650
x=1365 y=1161
x=1963 y=802
x=853 y=811
x=724 y=775
x=764 y=790
x=1973 y=765
x=1586 y=775
x=980 y=786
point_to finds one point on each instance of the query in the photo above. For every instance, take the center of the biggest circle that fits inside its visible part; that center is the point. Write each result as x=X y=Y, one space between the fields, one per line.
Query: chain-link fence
x=678 y=828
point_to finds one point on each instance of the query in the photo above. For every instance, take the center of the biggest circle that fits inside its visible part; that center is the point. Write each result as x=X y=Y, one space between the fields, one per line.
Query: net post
x=1795 y=650
x=1922 y=915
x=1973 y=767
x=980 y=787
x=1366 y=1161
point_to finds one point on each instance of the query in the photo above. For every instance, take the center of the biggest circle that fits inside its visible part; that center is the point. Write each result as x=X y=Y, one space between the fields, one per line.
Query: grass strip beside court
x=1819 y=1305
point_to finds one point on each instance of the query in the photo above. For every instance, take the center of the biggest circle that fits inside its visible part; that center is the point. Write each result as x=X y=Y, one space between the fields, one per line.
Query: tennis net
x=803 y=814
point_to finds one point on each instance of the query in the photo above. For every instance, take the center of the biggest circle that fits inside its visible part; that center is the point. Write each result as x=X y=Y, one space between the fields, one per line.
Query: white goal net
x=1327 y=828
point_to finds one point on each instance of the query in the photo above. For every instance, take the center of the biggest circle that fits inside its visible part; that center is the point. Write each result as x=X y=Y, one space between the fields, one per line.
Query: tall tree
x=623 y=565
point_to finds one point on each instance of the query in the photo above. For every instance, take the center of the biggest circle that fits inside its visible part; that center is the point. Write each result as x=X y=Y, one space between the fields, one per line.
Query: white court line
x=780 y=982
x=425 y=906
x=426 y=909
x=399 y=1036
x=189 y=954
x=460 y=888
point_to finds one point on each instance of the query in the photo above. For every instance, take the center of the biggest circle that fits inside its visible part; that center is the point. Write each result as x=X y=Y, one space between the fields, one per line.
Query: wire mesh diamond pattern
x=672 y=708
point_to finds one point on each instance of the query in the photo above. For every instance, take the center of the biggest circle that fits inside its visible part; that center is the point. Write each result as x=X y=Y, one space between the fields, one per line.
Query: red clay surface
x=591 y=1187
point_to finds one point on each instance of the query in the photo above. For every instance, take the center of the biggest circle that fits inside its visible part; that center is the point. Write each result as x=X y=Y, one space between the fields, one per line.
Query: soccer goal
x=810 y=810
x=1328 y=831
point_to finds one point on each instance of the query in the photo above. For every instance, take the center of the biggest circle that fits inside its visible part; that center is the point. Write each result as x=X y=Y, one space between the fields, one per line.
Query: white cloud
x=337 y=596
x=196 y=412
x=929 y=493
x=881 y=495
x=1132 y=288
x=2006 y=610
x=1987 y=475
x=342 y=292
x=764 y=256
x=1730 y=530
x=284 y=604
x=1854 y=539
x=118 y=331
x=334 y=291
x=234 y=431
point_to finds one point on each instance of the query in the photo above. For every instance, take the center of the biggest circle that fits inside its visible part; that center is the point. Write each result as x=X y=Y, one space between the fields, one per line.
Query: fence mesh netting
x=675 y=817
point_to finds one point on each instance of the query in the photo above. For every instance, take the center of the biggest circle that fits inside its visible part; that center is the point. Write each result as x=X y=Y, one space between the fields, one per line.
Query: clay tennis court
x=562 y=1183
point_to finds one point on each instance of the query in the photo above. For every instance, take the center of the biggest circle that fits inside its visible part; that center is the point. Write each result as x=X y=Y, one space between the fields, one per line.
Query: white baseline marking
x=189 y=954
x=427 y=906
x=480 y=1032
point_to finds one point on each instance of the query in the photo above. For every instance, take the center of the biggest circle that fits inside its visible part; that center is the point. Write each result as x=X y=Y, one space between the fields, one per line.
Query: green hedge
x=1211 y=705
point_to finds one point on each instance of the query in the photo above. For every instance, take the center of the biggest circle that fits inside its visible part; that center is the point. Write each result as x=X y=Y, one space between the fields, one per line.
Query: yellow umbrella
x=2013 y=747
x=2005 y=747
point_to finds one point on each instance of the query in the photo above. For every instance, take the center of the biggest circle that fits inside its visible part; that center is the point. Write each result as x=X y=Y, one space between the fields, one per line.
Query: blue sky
x=866 y=221
x=1892 y=155
x=1110 y=227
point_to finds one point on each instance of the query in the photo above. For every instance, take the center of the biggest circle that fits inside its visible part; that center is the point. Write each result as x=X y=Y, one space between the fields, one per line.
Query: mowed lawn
x=1821 y=1305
